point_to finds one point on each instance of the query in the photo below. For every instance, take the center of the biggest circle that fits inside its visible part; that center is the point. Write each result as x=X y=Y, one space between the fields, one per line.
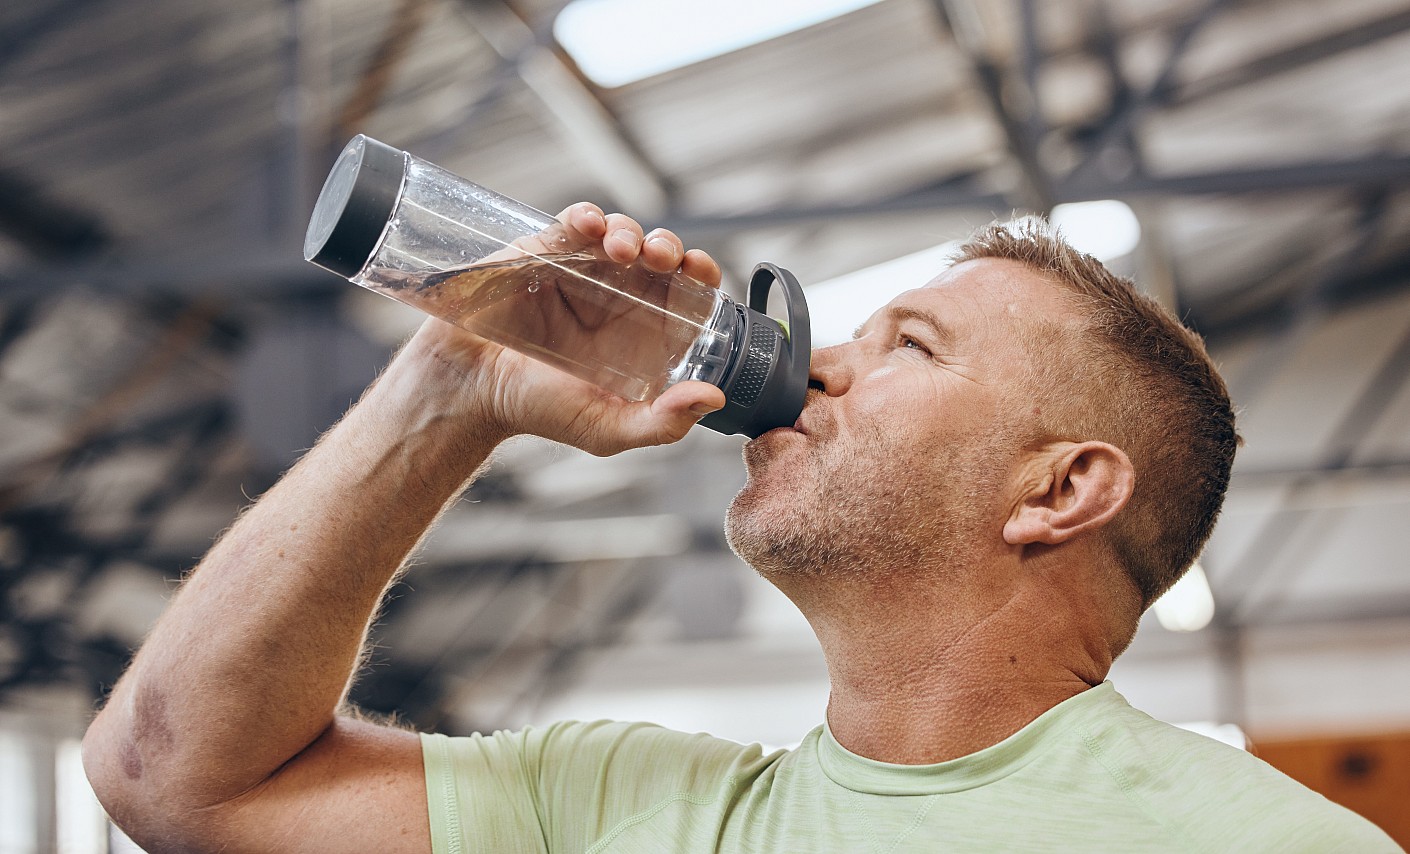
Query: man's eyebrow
x=897 y=314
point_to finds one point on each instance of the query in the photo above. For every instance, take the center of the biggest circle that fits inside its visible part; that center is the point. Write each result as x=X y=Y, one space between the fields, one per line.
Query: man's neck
x=954 y=680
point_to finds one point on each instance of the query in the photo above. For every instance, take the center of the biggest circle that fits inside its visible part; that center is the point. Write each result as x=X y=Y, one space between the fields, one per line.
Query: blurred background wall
x=165 y=353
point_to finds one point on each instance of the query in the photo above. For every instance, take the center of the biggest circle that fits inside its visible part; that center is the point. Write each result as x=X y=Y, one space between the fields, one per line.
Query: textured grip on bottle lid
x=354 y=206
x=758 y=357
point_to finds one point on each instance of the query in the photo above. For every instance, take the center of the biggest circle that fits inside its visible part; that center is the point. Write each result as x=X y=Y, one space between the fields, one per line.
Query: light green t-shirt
x=1091 y=774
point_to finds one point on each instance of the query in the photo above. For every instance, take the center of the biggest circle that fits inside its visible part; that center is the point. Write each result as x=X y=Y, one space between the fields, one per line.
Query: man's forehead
x=985 y=286
x=980 y=291
x=998 y=280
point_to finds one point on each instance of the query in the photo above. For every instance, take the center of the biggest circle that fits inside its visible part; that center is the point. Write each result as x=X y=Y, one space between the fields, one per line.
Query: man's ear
x=1081 y=487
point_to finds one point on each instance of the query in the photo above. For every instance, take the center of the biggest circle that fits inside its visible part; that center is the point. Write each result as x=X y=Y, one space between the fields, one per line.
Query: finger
x=701 y=267
x=662 y=251
x=699 y=398
x=679 y=408
x=623 y=240
x=584 y=222
x=666 y=419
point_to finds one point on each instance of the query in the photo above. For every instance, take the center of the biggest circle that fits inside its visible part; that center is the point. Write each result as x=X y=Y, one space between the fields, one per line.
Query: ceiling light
x=1189 y=605
x=616 y=42
x=1107 y=229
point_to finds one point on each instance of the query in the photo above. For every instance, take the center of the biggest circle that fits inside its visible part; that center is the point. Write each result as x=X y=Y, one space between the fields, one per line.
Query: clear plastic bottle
x=414 y=232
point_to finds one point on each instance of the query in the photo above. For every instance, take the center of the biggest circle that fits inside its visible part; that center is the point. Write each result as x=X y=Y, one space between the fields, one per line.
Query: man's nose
x=830 y=371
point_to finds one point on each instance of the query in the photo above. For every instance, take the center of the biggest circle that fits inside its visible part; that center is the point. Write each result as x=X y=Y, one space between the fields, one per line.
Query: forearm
x=235 y=692
x=252 y=659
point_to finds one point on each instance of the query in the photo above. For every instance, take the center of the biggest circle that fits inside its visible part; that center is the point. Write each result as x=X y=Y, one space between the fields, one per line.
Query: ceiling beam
x=1022 y=133
x=1342 y=609
x=1307 y=303
x=1331 y=474
x=1373 y=171
x=1106 y=44
x=450 y=138
x=403 y=25
x=1312 y=175
x=1323 y=46
x=586 y=125
x=1351 y=287
x=943 y=196
x=263 y=272
x=1294 y=518
x=1118 y=128
x=258 y=271
x=21 y=37
x=1121 y=123
x=44 y=226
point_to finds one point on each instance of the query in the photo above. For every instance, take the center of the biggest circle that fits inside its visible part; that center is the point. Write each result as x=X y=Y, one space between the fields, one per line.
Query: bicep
x=359 y=787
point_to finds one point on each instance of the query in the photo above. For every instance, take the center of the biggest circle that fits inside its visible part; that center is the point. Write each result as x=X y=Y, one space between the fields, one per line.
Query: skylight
x=616 y=42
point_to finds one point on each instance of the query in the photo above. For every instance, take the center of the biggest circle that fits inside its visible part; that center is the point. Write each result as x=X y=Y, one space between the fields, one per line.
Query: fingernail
x=703 y=408
x=623 y=235
x=659 y=241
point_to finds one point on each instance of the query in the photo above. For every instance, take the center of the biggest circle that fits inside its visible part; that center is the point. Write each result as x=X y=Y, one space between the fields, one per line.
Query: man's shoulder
x=1216 y=794
x=570 y=785
x=605 y=748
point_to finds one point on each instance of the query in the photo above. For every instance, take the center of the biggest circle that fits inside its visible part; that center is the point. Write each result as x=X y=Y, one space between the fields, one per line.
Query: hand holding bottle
x=512 y=394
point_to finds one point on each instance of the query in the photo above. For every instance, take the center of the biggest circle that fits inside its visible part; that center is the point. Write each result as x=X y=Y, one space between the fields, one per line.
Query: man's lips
x=796 y=428
x=799 y=427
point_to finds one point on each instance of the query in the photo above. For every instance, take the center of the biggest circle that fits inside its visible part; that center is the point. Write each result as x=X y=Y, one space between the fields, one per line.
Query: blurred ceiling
x=164 y=351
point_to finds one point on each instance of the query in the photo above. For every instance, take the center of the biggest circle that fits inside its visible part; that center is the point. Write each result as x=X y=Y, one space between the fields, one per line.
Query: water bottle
x=407 y=229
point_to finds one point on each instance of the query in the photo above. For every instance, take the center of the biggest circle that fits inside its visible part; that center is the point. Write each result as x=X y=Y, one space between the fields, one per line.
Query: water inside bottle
x=627 y=329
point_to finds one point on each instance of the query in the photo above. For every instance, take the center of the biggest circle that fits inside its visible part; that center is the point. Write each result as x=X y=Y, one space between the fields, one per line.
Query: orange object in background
x=1369 y=774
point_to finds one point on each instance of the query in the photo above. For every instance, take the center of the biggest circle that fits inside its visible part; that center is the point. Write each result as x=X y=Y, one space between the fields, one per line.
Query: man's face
x=903 y=450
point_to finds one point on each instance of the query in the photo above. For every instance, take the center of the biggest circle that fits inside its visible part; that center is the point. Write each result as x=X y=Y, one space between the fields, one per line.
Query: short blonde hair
x=1145 y=383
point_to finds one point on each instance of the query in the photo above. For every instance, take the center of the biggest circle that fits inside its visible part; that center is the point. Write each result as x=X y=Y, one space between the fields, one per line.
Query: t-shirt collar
x=869 y=776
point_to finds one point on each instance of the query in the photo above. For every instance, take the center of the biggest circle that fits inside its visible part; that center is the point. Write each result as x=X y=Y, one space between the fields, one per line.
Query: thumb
x=670 y=416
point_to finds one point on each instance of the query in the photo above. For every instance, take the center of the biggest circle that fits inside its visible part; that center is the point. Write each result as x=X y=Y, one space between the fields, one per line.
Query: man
x=985 y=489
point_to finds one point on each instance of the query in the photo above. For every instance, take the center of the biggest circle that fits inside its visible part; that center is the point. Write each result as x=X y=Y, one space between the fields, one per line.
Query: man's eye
x=912 y=344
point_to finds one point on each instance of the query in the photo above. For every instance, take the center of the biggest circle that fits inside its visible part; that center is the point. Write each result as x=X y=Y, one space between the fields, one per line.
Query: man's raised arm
x=224 y=733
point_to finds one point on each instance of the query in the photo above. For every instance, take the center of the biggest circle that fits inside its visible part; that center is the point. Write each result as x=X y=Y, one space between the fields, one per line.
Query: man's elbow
x=141 y=803
x=101 y=751
x=113 y=765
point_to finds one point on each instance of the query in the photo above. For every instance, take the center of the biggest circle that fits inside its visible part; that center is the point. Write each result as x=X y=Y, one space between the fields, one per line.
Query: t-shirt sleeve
x=565 y=786
x=478 y=794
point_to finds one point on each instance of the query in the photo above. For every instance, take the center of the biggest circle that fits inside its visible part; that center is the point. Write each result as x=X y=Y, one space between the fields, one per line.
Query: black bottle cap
x=767 y=380
x=352 y=210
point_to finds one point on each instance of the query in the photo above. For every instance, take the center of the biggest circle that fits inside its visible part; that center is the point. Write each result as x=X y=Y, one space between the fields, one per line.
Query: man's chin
x=745 y=521
x=761 y=520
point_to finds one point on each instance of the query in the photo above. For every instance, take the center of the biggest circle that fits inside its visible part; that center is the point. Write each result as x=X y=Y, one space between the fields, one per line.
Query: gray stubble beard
x=805 y=523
